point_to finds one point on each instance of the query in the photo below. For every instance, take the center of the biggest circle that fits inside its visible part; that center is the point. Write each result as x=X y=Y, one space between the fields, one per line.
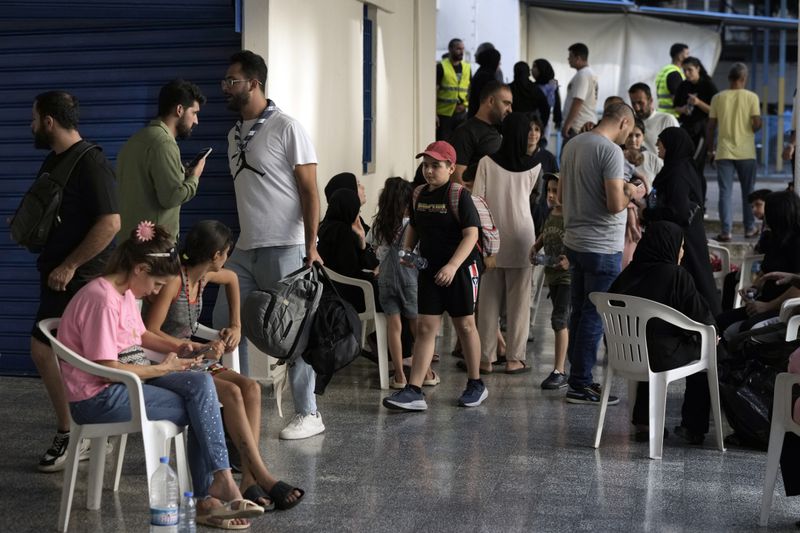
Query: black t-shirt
x=705 y=91
x=90 y=192
x=473 y=140
x=438 y=229
x=674 y=79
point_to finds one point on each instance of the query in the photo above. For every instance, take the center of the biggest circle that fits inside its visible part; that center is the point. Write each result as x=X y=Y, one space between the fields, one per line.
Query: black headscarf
x=678 y=163
x=343 y=180
x=660 y=244
x=512 y=154
x=343 y=206
x=528 y=98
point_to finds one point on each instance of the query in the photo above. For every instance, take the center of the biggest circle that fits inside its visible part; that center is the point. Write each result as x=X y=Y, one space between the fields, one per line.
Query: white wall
x=478 y=21
x=313 y=50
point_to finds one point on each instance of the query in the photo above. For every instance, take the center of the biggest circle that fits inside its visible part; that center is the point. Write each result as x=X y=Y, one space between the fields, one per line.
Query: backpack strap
x=415 y=196
x=61 y=173
x=453 y=196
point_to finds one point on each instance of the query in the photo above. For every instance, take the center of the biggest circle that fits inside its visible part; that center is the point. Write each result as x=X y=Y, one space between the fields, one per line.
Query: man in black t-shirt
x=479 y=135
x=447 y=227
x=76 y=249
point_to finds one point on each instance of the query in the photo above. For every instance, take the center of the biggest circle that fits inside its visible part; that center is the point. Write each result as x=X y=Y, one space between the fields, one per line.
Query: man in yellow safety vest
x=453 y=75
x=670 y=77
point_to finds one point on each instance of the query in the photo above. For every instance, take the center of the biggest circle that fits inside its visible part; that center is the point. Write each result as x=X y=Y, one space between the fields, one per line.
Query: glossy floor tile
x=522 y=461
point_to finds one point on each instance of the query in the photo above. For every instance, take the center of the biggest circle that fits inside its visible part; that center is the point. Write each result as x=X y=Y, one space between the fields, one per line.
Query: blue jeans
x=746 y=171
x=184 y=398
x=259 y=269
x=590 y=272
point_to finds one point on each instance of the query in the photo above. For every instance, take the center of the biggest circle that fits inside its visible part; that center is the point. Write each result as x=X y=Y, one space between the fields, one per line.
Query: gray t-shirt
x=587 y=161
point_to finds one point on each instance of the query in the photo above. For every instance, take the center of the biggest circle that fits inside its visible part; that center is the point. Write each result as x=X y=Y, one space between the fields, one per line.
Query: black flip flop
x=254 y=493
x=280 y=492
x=524 y=369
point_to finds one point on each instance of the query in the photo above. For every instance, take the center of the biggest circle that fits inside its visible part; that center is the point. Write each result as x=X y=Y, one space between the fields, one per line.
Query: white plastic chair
x=782 y=422
x=725 y=258
x=156 y=434
x=792 y=327
x=536 y=295
x=625 y=321
x=369 y=314
x=745 y=277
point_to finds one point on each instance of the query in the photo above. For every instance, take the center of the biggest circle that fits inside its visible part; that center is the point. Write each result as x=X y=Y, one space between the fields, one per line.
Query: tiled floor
x=522 y=461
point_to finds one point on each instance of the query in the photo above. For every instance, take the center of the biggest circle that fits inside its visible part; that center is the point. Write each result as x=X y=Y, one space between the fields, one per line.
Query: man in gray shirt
x=594 y=196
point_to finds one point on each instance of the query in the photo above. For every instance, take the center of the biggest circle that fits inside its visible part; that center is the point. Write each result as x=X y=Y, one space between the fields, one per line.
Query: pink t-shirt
x=98 y=324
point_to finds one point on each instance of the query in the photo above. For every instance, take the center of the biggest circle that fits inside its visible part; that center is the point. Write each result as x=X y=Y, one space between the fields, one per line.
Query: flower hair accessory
x=145 y=231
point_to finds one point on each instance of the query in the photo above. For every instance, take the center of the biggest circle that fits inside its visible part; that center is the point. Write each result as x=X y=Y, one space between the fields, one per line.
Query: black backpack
x=278 y=320
x=38 y=212
x=335 y=339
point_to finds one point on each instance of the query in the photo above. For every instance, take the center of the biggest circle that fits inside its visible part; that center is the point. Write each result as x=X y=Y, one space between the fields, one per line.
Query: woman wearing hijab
x=343 y=246
x=348 y=181
x=505 y=180
x=489 y=60
x=528 y=98
x=655 y=273
x=677 y=196
x=544 y=77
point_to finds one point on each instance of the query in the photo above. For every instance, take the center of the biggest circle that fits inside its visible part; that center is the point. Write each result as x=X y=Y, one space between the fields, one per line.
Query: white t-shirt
x=584 y=86
x=653 y=126
x=269 y=207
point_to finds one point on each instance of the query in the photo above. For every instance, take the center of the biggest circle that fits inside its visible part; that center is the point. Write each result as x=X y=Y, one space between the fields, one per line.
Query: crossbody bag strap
x=61 y=173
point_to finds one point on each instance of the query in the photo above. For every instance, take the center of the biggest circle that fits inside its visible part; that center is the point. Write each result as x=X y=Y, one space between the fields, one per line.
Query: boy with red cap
x=450 y=281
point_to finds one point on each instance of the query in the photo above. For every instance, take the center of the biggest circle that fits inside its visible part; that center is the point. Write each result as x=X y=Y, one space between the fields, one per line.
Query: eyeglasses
x=230 y=82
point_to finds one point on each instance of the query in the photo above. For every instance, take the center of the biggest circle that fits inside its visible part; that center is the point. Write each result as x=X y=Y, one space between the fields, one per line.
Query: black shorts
x=52 y=303
x=458 y=299
x=559 y=318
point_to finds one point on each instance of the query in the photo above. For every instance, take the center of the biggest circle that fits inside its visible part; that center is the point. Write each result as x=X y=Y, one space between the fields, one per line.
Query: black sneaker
x=474 y=394
x=589 y=394
x=556 y=380
x=53 y=459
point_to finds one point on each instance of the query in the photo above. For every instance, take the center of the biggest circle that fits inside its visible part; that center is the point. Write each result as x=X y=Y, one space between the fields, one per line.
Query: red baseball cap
x=441 y=151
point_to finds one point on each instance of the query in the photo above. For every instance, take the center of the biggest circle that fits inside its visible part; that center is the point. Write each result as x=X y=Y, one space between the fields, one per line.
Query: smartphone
x=203 y=365
x=203 y=153
x=197 y=353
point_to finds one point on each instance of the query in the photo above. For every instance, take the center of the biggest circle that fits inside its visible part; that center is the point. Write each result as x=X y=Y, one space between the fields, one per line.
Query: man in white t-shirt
x=274 y=168
x=654 y=121
x=580 y=105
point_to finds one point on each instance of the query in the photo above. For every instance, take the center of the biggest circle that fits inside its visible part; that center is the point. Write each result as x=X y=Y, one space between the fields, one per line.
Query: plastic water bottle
x=651 y=199
x=546 y=260
x=164 y=496
x=413 y=260
x=188 y=518
x=755 y=270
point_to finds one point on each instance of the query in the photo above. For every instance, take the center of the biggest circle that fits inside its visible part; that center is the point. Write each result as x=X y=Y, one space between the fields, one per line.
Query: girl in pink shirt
x=102 y=324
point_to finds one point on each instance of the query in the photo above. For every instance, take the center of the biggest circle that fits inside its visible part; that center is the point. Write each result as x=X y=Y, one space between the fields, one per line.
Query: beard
x=238 y=101
x=41 y=140
x=183 y=131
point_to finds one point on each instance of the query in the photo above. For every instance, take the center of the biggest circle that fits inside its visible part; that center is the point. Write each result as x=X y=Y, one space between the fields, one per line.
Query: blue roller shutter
x=114 y=56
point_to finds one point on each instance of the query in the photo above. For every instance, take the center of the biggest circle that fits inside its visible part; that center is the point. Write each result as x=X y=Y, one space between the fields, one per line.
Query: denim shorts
x=398 y=299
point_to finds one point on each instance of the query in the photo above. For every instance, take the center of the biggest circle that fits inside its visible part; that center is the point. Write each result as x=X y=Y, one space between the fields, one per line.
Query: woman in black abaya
x=677 y=196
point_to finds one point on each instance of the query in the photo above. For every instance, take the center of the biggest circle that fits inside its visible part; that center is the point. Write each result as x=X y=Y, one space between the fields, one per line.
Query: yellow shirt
x=733 y=109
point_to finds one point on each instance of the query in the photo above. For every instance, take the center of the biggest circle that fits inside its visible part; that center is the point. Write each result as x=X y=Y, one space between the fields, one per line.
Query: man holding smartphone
x=153 y=183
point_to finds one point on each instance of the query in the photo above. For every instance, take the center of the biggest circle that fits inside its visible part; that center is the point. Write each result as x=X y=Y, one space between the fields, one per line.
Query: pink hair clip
x=145 y=231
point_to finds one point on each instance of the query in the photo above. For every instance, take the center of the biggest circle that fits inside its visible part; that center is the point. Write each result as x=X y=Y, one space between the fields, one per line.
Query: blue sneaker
x=406 y=399
x=474 y=394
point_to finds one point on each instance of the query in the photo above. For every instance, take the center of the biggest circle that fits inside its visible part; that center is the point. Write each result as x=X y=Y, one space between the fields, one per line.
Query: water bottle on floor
x=164 y=496
x=188 y=517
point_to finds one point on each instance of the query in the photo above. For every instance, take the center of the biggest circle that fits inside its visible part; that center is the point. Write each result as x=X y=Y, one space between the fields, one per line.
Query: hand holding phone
x=197 y=159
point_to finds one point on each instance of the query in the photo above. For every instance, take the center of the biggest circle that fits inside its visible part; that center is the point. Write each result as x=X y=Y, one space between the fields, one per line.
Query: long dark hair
x=205 y=239
x=546 y=72
x=693 y=61
x=782 y=215
x=157 y=252
x=393 y=202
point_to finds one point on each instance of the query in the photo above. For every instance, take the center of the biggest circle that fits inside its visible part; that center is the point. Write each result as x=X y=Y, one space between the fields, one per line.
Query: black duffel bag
x=335 y=337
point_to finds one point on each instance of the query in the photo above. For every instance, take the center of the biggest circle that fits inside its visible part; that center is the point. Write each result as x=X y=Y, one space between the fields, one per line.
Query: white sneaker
x=302 y=427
